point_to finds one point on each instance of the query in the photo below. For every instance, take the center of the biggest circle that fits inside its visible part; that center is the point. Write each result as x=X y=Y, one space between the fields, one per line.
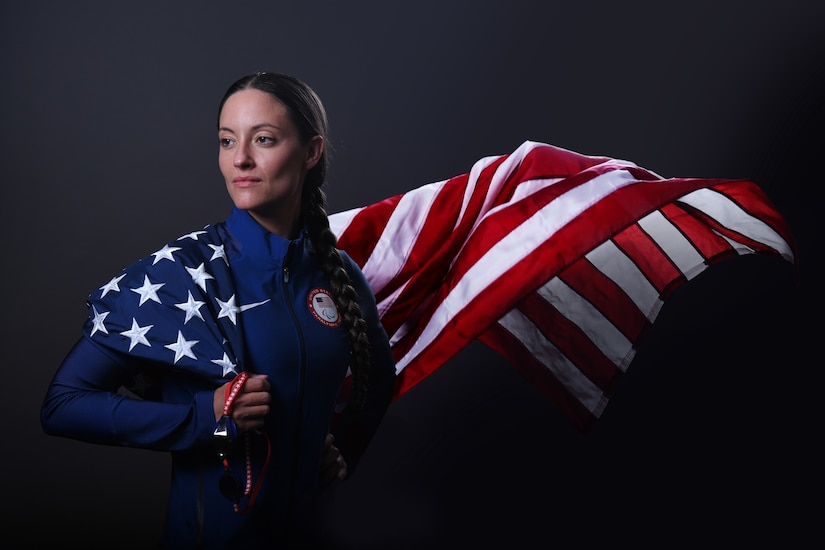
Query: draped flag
x=558 y=261
x=177 y=306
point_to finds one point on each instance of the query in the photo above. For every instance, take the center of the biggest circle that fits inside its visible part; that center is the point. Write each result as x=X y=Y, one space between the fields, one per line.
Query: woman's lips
x=245 y=182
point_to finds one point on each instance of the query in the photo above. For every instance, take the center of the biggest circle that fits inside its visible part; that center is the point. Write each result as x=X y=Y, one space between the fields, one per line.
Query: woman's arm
x=83 y=403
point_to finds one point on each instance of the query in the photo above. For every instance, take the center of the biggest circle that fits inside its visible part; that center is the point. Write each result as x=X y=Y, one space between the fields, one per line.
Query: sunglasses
x=223 y=440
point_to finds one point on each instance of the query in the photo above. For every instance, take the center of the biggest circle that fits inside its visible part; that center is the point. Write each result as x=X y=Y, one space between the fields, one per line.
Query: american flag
x=558 y=261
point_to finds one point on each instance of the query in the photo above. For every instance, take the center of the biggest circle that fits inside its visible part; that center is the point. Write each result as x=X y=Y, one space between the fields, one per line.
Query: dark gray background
x=109 y=150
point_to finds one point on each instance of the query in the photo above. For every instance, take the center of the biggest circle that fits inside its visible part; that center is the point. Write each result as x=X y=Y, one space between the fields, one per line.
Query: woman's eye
x=224 y=142
x=266 y=140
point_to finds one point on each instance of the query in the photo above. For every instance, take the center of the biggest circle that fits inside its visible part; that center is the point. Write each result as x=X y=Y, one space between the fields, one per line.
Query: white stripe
x=528 y=187
x=472 y=180
x=740 y=248
x=499 y=178
x=674 y=244
x=568 y=374
x=390 y=254
x=497 y=182
x=615 y=265
x=731 y=215
x=590 y=320
x=619 y=268
x=522 y=240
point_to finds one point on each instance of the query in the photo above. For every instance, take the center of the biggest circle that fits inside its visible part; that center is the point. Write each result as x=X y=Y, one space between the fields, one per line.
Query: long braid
x=308 y=114
x=324 y=241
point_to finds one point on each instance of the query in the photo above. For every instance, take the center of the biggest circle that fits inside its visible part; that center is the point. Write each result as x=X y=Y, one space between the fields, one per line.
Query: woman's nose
x=242 y=157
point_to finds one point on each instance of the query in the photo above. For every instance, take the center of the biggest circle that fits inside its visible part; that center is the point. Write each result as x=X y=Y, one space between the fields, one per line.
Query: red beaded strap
x=232 y=391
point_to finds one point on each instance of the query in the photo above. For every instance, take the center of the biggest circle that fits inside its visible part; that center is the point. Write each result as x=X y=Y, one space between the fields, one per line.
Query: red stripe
x=607 y=297
x=648 y=257
x=547 y=161
x=707 y=242
x=360 y=237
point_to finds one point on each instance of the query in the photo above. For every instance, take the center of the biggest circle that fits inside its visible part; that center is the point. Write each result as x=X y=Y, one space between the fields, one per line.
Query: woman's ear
x=315 y=148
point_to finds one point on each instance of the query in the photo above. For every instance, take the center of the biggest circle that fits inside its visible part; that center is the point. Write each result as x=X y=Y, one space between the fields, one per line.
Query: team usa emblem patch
x=323 y=307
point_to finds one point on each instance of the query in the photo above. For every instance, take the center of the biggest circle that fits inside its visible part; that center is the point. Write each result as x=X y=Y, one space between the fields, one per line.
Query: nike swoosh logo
x=250 y=306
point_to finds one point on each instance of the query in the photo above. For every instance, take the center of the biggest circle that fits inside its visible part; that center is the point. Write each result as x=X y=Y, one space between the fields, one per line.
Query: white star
x=191 y=307
x=148 y=291
x=165 y=253
x=111 y=285
x=182 y=347
x=218 y=252
x=228 y=366
x=98 y=322
x=229 y=309
x=200 y=276
x=193 y=235
x=137 y=334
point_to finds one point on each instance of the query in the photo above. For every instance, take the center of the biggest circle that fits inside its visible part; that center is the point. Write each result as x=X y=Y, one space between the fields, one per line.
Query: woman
x=237 y=340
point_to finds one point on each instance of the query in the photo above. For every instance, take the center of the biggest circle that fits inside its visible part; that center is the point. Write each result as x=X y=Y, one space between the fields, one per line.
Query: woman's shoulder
x=191 y=252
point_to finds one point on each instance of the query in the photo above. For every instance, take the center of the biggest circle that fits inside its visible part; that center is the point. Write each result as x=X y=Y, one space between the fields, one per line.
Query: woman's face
x=263 y=160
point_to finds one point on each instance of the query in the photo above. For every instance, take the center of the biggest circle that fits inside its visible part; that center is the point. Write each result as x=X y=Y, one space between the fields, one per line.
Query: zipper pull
x=286 y=274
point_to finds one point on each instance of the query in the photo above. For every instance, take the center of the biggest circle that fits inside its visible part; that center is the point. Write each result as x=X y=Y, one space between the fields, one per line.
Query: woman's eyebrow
x=255 y=127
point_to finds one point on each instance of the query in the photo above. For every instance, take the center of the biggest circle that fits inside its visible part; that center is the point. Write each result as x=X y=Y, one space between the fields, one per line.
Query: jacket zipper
x=301 y=388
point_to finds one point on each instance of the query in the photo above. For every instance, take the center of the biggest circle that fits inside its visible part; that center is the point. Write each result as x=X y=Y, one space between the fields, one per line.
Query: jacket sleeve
x=353 y=431
x=84 y=402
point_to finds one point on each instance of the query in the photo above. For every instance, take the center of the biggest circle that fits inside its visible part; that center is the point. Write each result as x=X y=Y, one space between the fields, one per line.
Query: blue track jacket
x=186 y=319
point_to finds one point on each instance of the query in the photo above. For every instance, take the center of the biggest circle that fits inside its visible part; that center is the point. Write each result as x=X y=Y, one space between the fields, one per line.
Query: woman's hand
x=333 y=465
x=251 y=405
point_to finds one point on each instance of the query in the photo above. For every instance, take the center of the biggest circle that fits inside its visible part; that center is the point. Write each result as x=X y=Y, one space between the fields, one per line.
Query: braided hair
x=307 y=113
